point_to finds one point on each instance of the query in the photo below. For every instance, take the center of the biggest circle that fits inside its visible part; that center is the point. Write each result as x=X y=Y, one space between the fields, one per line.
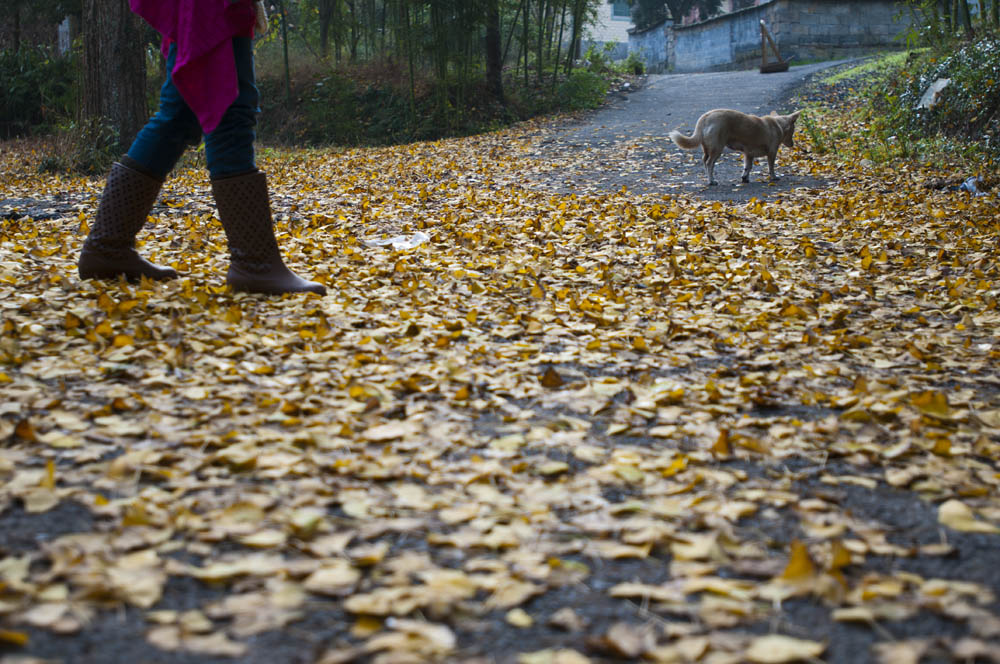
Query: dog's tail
x=687 y=142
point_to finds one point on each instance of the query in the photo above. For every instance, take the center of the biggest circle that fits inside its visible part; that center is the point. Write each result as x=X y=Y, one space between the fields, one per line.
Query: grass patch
x=875 y=65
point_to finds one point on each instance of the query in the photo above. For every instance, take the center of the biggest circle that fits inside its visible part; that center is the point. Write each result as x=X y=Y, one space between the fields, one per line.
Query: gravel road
x=625 y=143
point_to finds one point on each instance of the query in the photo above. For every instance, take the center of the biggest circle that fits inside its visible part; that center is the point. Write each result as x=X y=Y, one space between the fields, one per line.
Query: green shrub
x=330 y=112
x=372 y=105
x=335 y=110
x=598 y=59
x=968 y=108
x=815 y=135
x=633 y=64
x=38 y=91
x=95 y=146
x=582 y=90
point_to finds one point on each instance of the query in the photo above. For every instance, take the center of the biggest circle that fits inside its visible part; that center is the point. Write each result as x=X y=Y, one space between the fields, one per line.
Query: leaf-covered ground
x=597 y=426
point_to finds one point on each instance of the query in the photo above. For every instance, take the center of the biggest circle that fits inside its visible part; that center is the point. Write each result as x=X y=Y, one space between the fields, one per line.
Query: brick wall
x=803 y=29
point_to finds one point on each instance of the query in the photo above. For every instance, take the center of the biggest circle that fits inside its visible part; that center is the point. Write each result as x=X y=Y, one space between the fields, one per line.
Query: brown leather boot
x=255 y=262
x=109 y=250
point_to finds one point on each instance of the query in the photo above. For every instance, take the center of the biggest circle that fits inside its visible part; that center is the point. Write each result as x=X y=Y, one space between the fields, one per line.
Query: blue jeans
x=228 y=148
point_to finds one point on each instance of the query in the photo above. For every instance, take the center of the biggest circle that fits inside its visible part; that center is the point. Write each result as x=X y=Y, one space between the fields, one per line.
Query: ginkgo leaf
x=265 y=539
x=391 y=431
x=11 y=637
x=800 y=568
x=338 y=578
x=551 y=379
x=519 y=618
x=561 y=656
x=779 y=649
x=910 y=651
x=958 y=516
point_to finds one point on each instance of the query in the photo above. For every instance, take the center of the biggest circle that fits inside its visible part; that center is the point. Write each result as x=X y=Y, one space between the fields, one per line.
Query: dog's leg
x=771 y=158
x=747 y=165
x=710 y=159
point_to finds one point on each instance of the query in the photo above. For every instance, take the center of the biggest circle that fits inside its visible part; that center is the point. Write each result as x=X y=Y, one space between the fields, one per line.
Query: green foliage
x=970 y=105
x=50 y=11
x=968 y=109
x=815 y=135
x=373 y=106
x=39 y=91
x=633 y=64
x=331 y=112
x=940 y=23
x=582 y=90
x=599 y=59
x=96 y=145
x=334 y=109
x=869 y=69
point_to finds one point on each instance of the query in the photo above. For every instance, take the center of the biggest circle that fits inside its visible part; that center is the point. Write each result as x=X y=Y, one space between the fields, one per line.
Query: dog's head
x=788 y=125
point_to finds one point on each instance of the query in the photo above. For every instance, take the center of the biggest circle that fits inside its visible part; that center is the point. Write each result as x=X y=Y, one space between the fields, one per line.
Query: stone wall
x=803 y=29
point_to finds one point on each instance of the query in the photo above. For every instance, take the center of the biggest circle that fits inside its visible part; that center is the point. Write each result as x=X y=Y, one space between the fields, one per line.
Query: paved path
x=626 y=144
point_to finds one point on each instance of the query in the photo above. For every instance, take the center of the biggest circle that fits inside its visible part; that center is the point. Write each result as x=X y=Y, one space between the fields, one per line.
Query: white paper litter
x=400 y=242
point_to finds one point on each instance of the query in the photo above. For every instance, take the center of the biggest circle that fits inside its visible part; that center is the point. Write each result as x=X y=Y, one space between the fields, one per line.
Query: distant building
x=727 y=7
x=614 y=20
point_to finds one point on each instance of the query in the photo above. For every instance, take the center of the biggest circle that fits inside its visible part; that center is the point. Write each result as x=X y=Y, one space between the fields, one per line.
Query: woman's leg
x=240 y=192
x=169 y=133
x=132 y=187
x=229 y=149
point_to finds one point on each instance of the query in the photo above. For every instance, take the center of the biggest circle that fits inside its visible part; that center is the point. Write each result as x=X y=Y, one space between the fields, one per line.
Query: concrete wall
x=803 y=29
x=653 y=47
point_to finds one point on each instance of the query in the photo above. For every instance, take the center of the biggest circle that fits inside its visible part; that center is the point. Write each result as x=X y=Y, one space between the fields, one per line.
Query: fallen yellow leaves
x=684 y=416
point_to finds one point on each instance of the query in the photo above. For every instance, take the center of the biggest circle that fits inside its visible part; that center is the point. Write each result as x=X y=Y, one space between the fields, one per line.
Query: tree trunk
x=325 y=16
x=966 y=18
x=114 y=67
x=539 y=54
x=524 y=42
x=412 y=65
x=355 y=30
x=513 y=29
x=559 y=41
x=494 y=54
x=579 y=9
x=17 y=26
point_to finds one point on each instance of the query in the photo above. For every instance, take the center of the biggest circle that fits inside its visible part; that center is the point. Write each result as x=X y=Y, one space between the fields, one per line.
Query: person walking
x=210 y=94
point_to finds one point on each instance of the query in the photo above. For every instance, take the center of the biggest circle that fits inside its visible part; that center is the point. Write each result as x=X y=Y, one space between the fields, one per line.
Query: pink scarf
x=205 y=69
